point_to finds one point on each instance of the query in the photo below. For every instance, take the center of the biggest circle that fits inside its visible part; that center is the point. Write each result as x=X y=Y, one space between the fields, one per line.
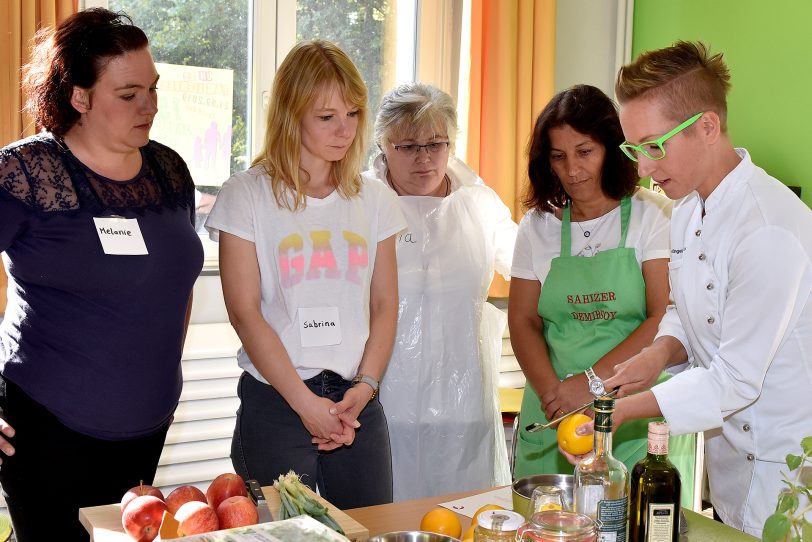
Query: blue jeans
x=270 y=439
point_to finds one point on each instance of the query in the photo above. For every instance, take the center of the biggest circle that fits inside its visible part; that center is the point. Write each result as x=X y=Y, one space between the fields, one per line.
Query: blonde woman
x=307 y=258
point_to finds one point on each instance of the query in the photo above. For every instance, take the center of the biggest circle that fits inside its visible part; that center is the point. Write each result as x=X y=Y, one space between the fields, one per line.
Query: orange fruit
x=571 y=442
x=484 y=508
x=441 y=521
x=469 y=534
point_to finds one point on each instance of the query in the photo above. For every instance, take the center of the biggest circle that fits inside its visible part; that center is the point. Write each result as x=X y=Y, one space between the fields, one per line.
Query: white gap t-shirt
x=319 y=258
x=539 y=238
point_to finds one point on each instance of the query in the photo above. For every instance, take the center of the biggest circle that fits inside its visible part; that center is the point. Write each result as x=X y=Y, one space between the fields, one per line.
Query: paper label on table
x=469 y=505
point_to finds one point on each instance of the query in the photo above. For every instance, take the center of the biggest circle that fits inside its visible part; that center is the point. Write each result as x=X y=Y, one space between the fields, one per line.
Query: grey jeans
x=270 y=439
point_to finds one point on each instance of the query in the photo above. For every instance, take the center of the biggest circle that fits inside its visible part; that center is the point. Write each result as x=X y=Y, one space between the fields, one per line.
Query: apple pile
x=224 y=505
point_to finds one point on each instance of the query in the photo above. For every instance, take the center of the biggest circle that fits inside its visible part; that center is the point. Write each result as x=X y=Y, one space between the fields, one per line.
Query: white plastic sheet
x=439 y=391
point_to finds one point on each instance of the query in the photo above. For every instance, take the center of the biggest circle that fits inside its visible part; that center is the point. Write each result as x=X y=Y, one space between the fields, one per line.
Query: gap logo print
x=315 y=259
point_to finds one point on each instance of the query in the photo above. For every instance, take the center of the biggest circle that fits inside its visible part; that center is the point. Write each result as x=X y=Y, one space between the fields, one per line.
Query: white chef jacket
x=741 y=281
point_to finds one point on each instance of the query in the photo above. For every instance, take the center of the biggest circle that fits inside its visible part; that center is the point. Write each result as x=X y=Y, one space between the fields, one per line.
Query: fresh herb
x=788 y=522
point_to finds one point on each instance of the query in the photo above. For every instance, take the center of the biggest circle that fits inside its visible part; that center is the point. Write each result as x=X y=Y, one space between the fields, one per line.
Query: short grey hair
x=411 y=107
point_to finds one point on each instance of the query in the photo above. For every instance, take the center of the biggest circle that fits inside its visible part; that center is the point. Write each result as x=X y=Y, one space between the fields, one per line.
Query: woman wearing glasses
x=590 y=275
x=741 y=277
x=439 y=390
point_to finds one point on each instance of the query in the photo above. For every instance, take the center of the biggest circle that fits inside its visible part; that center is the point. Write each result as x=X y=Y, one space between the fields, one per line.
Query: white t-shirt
x=319 y=259
x=539 y=238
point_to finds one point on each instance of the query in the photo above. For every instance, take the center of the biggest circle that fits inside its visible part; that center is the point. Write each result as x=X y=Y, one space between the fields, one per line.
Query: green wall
x=768 y=47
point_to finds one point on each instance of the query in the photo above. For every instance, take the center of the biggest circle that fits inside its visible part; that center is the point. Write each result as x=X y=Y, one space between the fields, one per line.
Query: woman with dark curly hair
x=590 y=274
x=97 y=235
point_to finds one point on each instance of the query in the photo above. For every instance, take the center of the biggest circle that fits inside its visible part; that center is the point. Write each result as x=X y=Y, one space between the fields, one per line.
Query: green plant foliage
x=789 y=523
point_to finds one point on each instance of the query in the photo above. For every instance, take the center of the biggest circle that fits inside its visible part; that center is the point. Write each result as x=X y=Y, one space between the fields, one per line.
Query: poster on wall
x=194 y=119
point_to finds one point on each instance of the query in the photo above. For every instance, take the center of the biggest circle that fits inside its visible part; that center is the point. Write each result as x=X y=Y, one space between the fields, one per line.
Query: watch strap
x=368 y=380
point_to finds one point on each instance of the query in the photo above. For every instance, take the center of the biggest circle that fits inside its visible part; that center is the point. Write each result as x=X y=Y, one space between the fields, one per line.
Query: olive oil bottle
x=655 y=492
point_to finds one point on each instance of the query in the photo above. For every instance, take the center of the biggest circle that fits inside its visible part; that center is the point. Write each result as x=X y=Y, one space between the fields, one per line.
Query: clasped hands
x=333 y=425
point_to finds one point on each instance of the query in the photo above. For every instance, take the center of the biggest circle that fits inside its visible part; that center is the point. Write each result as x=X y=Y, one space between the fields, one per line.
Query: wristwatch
x=368 y=380
x=595 y=384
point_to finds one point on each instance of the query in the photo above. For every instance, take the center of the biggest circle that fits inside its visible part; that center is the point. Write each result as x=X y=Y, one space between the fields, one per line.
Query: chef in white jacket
x=741 y=285
x=439 y=390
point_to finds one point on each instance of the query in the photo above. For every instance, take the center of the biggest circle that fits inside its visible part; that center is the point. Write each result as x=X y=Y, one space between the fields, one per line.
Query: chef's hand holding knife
x=636 y=376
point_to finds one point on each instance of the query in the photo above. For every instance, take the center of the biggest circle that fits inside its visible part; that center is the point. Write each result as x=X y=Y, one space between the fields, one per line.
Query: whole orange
x=571 y=442
x=442 y=521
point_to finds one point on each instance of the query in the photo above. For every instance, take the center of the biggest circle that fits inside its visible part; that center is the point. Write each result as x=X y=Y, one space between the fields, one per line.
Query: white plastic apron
x=438 y=391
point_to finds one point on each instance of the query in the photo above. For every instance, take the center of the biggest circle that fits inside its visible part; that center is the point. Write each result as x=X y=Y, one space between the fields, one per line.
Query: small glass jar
x=558 y=526
x=497 y=526
x=547 y=498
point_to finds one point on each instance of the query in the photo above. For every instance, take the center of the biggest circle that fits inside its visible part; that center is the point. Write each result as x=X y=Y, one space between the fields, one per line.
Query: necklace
x=588 y=233
x=401 y=192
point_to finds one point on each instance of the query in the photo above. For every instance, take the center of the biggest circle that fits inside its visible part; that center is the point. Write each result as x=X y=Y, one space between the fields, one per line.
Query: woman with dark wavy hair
x=97 y=234
x=590 y=274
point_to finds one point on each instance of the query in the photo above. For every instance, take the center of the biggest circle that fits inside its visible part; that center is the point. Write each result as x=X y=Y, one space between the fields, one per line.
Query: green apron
x=589 y=306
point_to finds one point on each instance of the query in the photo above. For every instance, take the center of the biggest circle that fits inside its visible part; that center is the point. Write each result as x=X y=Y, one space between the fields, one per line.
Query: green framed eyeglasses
x=654 y=150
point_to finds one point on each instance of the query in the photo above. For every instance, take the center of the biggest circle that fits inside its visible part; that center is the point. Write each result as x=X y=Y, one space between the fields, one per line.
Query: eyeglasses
x=413 y=149
x=654 y=150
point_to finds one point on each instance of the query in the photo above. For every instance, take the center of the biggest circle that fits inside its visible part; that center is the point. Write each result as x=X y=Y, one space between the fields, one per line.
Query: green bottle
x=655 y=492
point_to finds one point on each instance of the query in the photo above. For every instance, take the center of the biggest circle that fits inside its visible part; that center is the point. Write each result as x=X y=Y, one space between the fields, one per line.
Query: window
x=217 y=59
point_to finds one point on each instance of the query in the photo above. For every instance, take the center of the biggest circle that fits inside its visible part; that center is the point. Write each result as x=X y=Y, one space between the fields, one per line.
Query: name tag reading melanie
x=319 y=326
x=120 y=236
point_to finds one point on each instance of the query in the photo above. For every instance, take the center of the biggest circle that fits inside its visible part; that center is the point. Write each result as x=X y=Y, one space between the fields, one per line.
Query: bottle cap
x=604 y=403
x=500 y=520
x=658 y=428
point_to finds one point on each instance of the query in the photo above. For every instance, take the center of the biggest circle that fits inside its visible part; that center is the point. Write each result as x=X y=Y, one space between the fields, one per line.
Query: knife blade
x=263 y=510
x=533 y=427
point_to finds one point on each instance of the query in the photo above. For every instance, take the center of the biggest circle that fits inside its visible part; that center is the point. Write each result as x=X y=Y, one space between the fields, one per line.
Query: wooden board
x=104 y=522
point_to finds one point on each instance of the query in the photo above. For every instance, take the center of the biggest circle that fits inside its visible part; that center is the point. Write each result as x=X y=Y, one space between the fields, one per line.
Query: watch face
x=596 y=387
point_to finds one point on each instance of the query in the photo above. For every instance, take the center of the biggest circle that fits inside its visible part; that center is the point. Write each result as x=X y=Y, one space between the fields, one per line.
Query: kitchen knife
x=263 y=510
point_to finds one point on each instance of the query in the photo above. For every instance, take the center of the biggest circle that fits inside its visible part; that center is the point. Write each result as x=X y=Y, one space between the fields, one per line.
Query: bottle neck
x=603 y=432
x=658 y=445
x=603 y=443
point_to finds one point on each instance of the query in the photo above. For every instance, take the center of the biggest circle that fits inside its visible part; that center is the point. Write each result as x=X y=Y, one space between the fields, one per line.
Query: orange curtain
x=19 y=21
x=512 y=72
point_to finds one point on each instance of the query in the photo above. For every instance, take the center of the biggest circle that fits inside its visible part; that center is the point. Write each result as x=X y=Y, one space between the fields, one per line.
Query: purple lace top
x=95 y=338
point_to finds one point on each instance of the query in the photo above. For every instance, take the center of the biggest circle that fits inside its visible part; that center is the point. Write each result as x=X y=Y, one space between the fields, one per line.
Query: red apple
x=181 y=495
x=237 y=511
x=142 y=518
x=196 y=517
x=225 y=486
x=138 y=491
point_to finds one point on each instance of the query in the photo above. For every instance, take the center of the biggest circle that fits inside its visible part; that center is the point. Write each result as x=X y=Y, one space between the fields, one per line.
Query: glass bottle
x=601 y=481
x=655 y=492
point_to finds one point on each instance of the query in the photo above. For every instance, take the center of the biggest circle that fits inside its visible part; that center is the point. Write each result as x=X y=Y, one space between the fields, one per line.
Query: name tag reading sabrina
x=319 y=326
x=120 y=236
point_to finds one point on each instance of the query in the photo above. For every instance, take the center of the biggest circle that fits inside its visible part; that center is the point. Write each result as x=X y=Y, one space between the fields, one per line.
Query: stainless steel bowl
x=411 y=536
x=523 y=488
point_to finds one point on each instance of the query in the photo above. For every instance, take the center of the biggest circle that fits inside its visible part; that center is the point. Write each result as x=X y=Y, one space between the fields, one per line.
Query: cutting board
x=104 y=522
